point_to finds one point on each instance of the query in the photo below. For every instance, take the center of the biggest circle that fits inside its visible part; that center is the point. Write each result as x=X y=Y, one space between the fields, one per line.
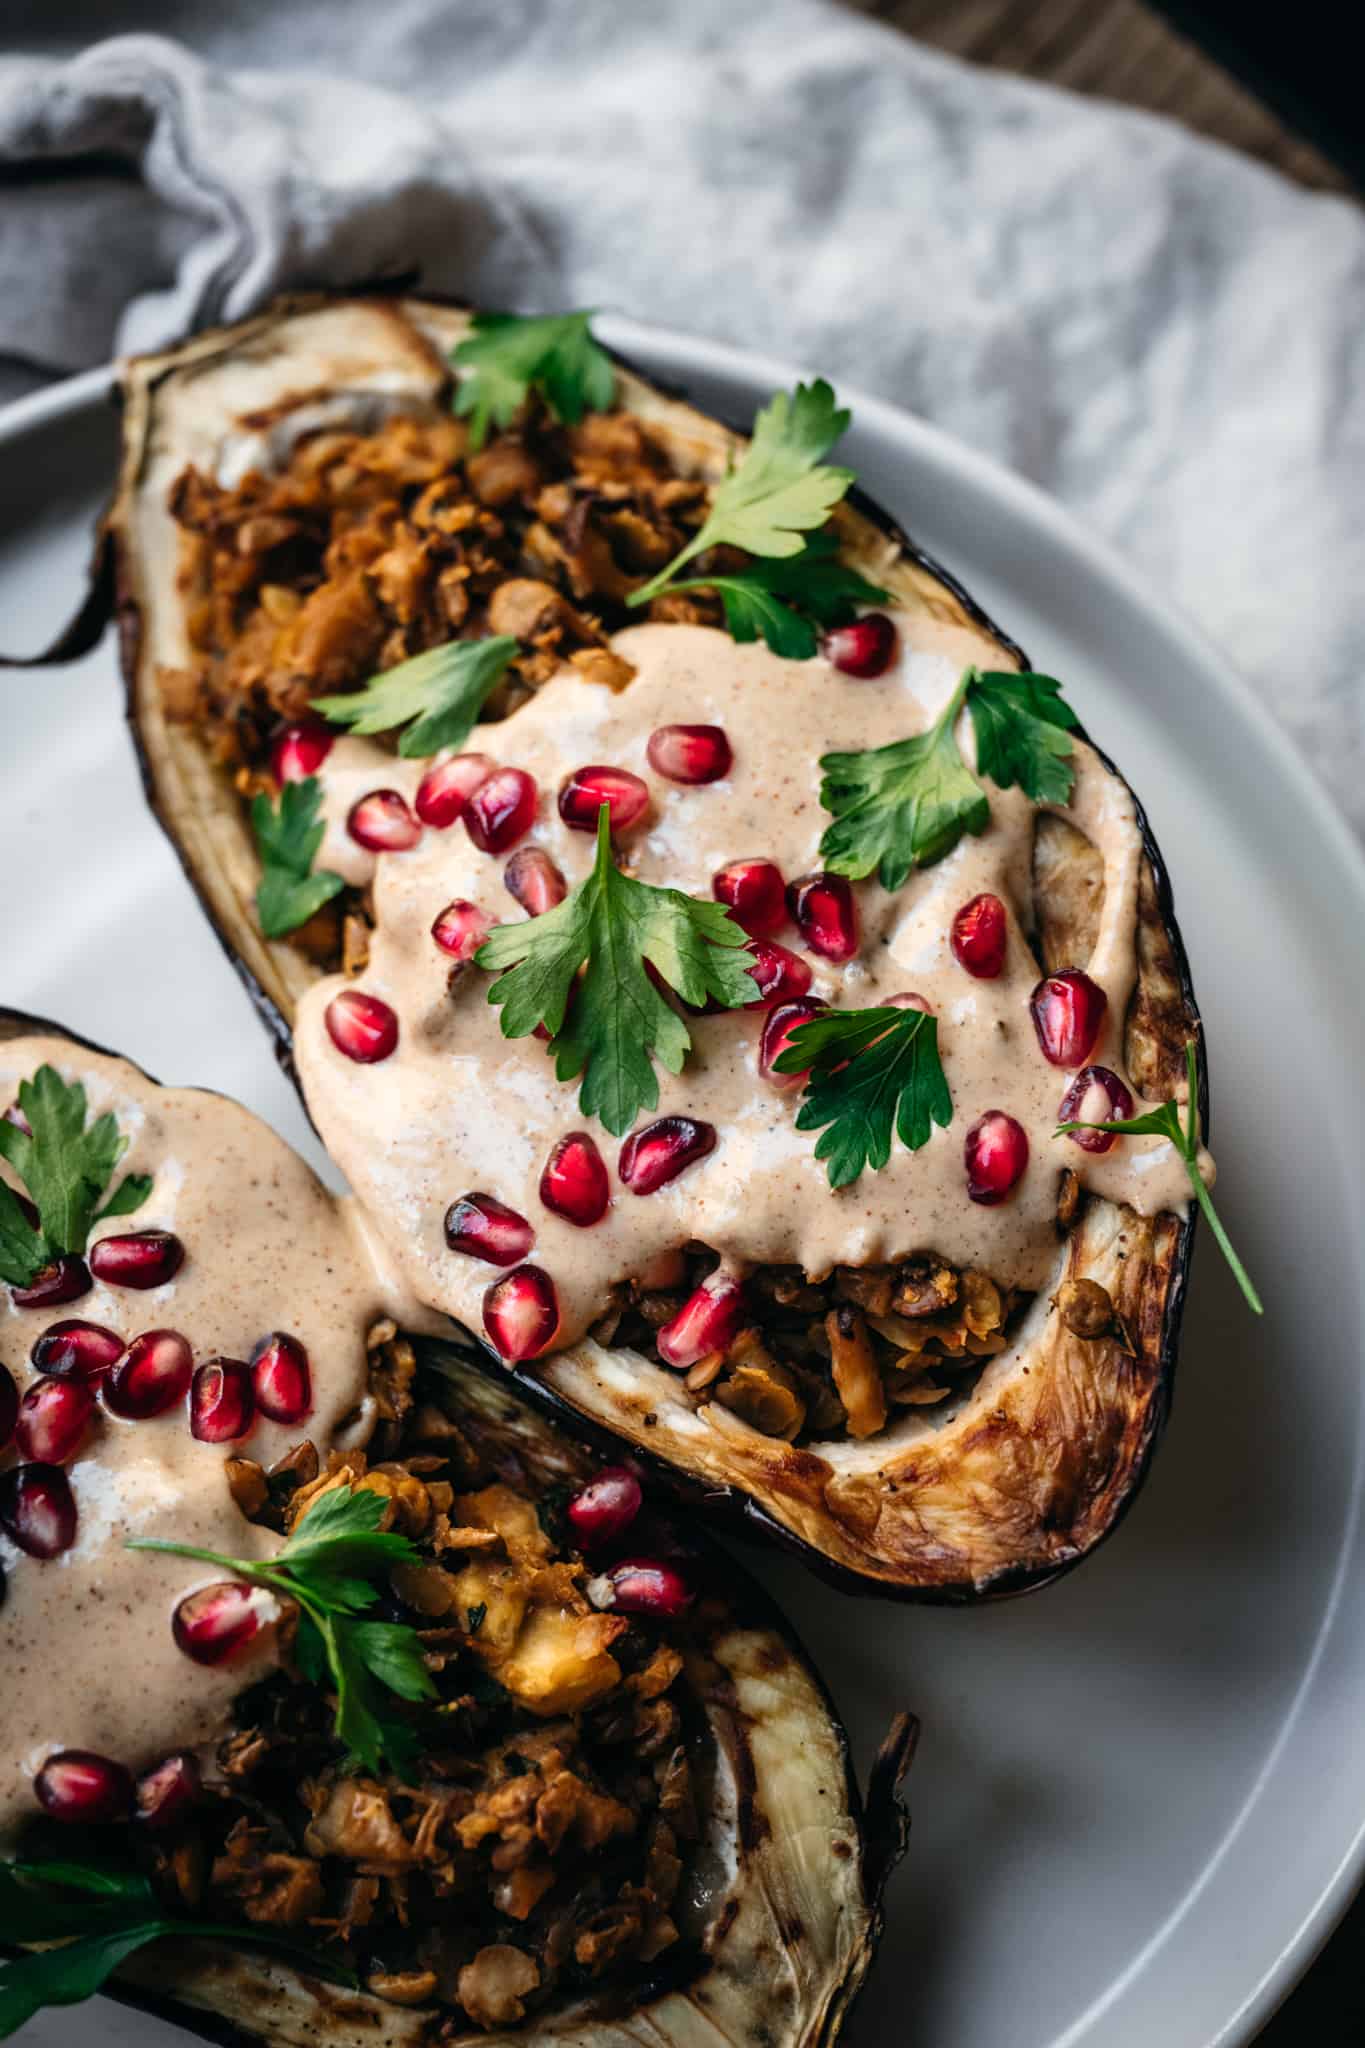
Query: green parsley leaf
x=66 y=1167
x=872 y=1072
x=901 y=806
x=287 y=840
x=34 y=1905
x=320 y=1568
x=783 y=602
x=23 y=1250
x=341 y=1533
x=780 y=489
x=393 y=1655
x=115 y=1913
x=906 y=805
x=131 y=1192
x=507 y=355
x=608 y=927
x=443 y=691
x=67 y=1975
x=1021 y=726
x=1164 y=1122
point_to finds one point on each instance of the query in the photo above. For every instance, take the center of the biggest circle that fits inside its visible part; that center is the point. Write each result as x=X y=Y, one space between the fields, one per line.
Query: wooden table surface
x=1117 y=50
x=1123 y=50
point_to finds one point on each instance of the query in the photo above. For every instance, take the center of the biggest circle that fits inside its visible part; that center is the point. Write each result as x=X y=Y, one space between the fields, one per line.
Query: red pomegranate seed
x=485 y=1228
x=141 y=1259
x=76 y=1785
x=661 y=1151
x=298 y=751
x=574 y=1184
x=446 y=788
x=754 y=893
x=644 y=1586
x=361 y=1026
x=282 y=1378
x=534 y=881
x=153 y=1375
x=1096 y=1096
x=169 y=1792
x=865 y=648
x=383 y=823
x=690 y=753
x=222 y=1401
x=1068 y=1010
x=778 y=1027
x=978 y=937
x=605 y=1508
x=907 y=999
x=995 y=1154
x=582 y=795
x=781 y=975
x=826 y=915
x=501 y=810
x=218 y=1620
x=521 y=1313
x=14 y=1115
x=66 y=1279
x=38 y=1509
x=461 y=929
x=83 y=1349
x=708 y=1320
x=53 y=1417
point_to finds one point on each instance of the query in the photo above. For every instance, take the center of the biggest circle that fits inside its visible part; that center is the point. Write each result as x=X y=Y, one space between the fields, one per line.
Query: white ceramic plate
x=1139 y=1800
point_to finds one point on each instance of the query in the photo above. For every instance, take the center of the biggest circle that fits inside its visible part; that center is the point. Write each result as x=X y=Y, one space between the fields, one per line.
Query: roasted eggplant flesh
x=625 y=1803
x=903 y=1398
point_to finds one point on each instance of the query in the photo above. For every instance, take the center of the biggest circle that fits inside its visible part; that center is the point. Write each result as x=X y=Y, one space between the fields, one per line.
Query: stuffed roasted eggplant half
x=692 y=927
x=388 y=1713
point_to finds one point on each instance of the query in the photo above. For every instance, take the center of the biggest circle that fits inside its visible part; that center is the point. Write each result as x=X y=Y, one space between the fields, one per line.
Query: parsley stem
x=1224 y=1242
x=238 y=1565
x=643 y=595
x=947 y=718
x=1164 y=1122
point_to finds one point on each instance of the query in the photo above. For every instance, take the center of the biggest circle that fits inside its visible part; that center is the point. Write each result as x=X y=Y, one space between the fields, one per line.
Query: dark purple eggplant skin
x=730 y=1507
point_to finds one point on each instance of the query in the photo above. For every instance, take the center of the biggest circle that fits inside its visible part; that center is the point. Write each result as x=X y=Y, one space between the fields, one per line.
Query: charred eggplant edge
x=850 y=1564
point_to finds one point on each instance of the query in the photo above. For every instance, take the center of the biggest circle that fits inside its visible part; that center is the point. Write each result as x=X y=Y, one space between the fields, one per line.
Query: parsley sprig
x=113 y=1912
x=784 y=602
x=595 y=947
x=437 y=695
x=1164 y=1122
x=66 y=1167
x=288 y=835
x=327 y=1567
x=506 y=356
x=780 y=490
x=907 y=804
x=872 y=1072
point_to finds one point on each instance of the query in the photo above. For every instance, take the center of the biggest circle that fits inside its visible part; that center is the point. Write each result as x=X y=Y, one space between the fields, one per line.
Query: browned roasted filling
x=539 y=1852
x=368 y=548
x=839 y=1355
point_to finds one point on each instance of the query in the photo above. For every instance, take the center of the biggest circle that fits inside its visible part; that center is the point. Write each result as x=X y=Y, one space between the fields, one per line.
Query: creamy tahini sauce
x=86 y=1652
x=459 y=1108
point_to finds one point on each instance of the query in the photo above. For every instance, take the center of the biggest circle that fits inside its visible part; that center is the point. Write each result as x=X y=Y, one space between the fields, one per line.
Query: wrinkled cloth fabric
x=1166 y=336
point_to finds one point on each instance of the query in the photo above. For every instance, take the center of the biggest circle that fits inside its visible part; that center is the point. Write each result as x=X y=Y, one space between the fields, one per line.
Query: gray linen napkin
x=1159 y=332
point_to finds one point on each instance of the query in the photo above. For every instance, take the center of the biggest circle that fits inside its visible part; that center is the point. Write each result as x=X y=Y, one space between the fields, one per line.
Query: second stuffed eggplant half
x=704 y=945
x=333 y=1670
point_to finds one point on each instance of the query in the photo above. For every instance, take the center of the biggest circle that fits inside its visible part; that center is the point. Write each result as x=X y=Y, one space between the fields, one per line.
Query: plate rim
x=1025 y=501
